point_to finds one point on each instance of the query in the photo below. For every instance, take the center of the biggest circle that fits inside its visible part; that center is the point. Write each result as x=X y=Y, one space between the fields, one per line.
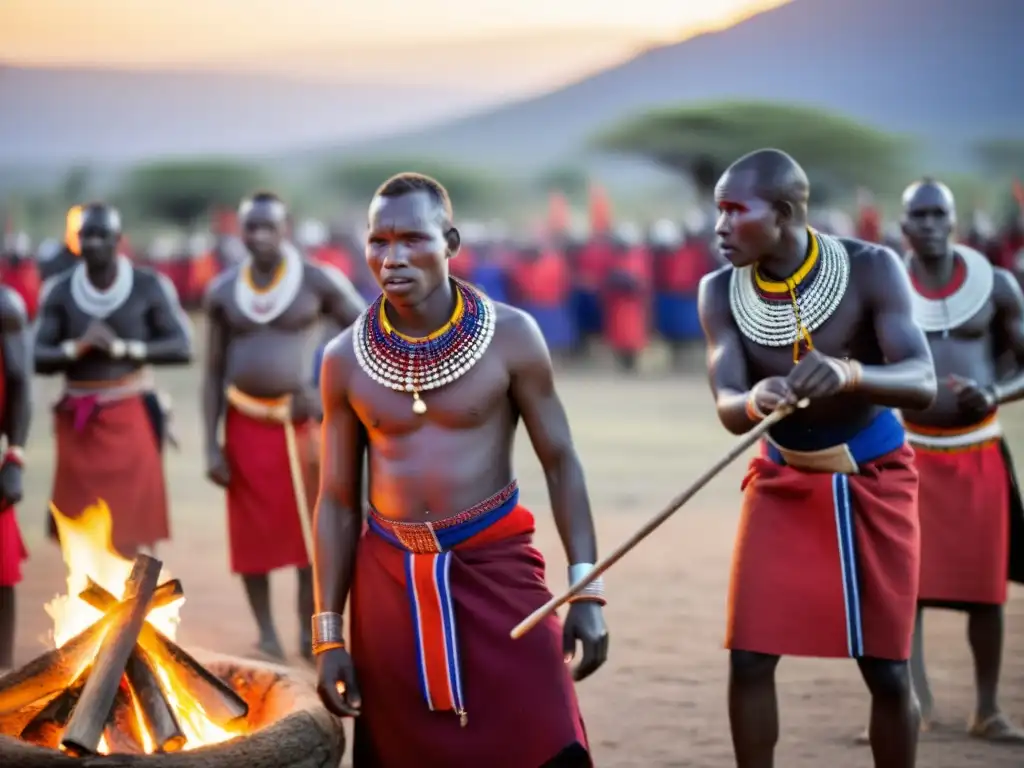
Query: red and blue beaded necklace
x=415 y=365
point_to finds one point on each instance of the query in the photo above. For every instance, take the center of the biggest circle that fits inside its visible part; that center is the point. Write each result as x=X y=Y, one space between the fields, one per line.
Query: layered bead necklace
x=778 y=313
x=416 y=365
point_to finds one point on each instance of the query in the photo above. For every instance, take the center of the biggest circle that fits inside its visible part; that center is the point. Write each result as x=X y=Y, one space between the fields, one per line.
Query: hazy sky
x=173 y=31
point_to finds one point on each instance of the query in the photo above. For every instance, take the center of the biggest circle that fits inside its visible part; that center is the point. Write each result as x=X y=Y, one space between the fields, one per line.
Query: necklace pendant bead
x=418 y=406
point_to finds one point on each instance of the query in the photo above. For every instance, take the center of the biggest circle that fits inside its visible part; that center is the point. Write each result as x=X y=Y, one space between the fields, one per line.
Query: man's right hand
x=98 y=335
x=217 y=470
x=336 y=683
x=771 y=393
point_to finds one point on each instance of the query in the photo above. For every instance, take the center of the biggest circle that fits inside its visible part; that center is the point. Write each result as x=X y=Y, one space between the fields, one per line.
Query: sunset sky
x=155 y=32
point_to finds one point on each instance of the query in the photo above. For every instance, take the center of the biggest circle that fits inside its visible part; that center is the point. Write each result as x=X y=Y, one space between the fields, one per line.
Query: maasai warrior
x=826 y=560
x=16 y=410
x=431 y=383
x=626 y=298
x=101 y=324
x=264 y=317
x=973 y=314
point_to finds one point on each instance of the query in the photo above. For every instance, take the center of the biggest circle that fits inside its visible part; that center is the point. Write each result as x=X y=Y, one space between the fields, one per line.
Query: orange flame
x=88 y=553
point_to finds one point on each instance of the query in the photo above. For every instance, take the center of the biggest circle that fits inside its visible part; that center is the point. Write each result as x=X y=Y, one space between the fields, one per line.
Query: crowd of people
x=883 y=487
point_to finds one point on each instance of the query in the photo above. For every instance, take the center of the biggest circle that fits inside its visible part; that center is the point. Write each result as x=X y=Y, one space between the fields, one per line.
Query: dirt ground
x=660 y=700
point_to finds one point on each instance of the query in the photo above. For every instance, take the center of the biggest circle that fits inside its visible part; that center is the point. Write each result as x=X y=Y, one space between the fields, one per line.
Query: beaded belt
x=433 y=537
x=883 y=435
x=276 y=409
x=945 y=439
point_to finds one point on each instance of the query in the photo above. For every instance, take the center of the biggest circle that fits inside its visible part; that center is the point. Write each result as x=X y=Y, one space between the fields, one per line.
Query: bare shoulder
x=323 y=277
x=56 y=291
x=156 y=283
x=713 y=305
x=219 y=289
x=339 y=360
x=872 y=259
x=13 y=314
x=1005 y=288
x=517 y=334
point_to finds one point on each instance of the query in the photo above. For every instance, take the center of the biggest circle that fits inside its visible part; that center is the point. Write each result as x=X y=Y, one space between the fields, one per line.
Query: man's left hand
x=584 y=624
x=817 y=376
x=10 y=485
x=971 y=398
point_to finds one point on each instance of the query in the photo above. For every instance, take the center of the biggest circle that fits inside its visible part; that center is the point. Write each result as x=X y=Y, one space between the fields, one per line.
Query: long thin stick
x=735 y=452
x=299 y=486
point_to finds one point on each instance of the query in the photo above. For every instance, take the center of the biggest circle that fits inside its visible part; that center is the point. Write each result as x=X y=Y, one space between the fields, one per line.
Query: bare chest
x=847 y=333
x=301 y=314
x=470 y=402
x=129 y=321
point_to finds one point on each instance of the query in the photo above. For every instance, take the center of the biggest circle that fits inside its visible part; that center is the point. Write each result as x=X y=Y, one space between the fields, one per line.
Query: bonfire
x=117 y=682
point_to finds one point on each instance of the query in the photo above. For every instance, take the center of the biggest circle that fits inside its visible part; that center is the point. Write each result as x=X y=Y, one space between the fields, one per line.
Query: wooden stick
x=299 y=485
x=163 y=726
x=219 y=701
x=733 y=453
x=122 y=729
x=85 y=728
x=56 y=670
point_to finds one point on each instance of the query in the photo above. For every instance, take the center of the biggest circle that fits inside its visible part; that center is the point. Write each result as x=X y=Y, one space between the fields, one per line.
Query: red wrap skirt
x=965 y=514
x=109 y=451
x=826 y=564
x=430 y=640
x=12 y=549
x=264 y=530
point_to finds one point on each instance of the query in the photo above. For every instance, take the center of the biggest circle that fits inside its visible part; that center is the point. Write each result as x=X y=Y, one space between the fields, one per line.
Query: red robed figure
x=12 y=547
x=627 y=301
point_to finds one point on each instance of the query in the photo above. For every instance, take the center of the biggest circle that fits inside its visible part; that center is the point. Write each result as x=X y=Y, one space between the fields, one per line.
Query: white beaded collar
x=935 y=315
x=102 y=303
x=265 y=306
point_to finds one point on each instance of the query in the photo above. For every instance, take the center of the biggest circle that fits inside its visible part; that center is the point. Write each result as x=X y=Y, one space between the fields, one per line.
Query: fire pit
x=118 y=691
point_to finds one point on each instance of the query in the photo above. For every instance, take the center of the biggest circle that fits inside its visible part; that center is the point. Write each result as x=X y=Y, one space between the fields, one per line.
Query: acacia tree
x=701 y=141
x=182 y=191
x=470 y=189
x=1001 y=157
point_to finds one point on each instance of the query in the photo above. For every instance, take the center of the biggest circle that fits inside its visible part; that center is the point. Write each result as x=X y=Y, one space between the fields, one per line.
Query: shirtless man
x=803 y=315
x=430 y=385
x=263 y=321
x=16 y=410
x=973 y=315
x=102 y=324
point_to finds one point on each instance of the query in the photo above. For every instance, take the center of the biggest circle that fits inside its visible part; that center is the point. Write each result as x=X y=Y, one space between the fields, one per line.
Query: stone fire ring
x=288 y=727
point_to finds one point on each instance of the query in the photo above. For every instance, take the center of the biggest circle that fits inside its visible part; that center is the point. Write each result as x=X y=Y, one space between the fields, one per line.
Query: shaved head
x=776 y=177
x=931 y=190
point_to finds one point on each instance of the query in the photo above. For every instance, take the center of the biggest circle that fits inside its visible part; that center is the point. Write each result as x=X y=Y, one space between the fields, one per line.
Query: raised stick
x=218 y=700
x=734 y=453
x=85 y=728
x=55 y=670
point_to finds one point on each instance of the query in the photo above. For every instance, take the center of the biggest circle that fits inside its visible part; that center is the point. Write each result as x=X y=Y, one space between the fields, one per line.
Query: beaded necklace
x=777 y=313
x=415 y=365
x=967 y=291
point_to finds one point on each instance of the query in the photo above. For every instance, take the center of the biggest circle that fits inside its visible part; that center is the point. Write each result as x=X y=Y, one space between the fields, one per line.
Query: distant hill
x=52 y=116
x=948 y=72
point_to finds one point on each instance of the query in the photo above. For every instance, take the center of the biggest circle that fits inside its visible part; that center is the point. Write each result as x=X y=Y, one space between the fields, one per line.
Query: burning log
x=122 y=729
x=46 y=727
x=160 y=720
x=219 y=702
x=85 y=728
x=55 y=671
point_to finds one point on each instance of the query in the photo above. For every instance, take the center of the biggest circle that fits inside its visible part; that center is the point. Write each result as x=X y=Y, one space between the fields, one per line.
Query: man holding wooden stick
x=428 y=387
x=263 y=321
x=827 y=555
x=971 y=517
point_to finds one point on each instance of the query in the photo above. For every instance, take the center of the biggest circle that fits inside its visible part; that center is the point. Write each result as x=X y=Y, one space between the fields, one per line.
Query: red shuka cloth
x=12 y=548
x=264 y=532
x=110 y=452
x=519 y=697
x=626 y=311
x=787 y=593
x=965 y=523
